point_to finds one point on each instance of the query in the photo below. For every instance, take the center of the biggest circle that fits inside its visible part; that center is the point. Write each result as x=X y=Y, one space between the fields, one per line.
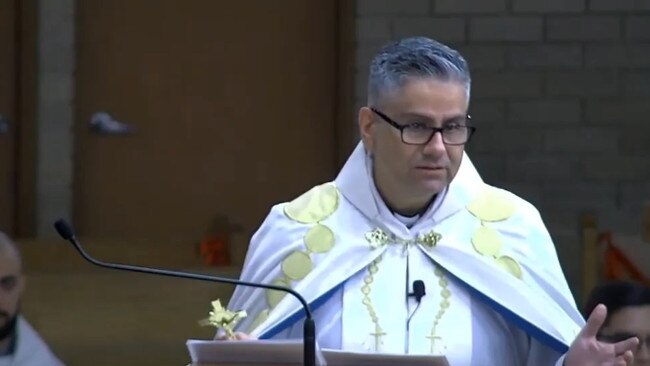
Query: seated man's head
x=416 y=123
x=11 y=287
x=628 y=315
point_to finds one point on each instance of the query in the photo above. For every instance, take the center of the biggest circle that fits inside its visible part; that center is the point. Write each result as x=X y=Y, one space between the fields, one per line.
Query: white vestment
x=30 y=349
x=495 y=292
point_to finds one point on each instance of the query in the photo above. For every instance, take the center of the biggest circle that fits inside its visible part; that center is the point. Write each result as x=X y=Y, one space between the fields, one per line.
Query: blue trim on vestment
x=507 y=314
x=300 y=314
x=517 y=320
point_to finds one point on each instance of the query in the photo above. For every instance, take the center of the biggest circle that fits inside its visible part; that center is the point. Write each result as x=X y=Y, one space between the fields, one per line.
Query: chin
x=433 y=187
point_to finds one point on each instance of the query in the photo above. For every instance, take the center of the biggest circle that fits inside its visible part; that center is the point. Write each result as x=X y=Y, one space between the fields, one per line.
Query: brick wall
x=560 y=95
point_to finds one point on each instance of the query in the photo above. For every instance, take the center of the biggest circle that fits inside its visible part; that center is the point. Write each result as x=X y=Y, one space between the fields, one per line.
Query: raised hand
x=586 y=350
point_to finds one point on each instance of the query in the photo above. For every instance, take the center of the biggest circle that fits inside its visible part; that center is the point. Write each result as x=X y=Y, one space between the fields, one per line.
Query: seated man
x=409 y=207
x=628 y=305
x=20 y=345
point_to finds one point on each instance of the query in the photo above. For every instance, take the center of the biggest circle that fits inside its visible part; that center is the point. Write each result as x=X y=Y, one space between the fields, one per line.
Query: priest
x=409 y=207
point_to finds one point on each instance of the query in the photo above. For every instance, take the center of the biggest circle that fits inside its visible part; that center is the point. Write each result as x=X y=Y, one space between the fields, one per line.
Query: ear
x=366 y=128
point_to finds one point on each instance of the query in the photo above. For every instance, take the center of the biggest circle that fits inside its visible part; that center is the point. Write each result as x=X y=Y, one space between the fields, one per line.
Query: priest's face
x=629 y=322
x=11 y=288
x=403 y=169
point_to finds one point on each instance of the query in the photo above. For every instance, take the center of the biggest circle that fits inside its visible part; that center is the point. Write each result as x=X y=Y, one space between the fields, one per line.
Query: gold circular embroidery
x=273 y=297
x=487 y=241
x=314 y=205
x=510 y=265
x=259 y=319
x=319 y=239
x=296 y=265
x=491 y=206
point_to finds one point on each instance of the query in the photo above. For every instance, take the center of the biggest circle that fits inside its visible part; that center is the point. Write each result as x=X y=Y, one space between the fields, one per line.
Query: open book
x=290 y=352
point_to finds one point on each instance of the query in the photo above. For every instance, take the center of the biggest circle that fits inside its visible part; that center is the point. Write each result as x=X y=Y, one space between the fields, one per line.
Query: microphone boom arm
x=194 y=276
x=309 y=329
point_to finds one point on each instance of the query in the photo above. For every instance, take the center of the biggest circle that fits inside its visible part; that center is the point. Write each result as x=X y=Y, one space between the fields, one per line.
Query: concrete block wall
x=560 y=95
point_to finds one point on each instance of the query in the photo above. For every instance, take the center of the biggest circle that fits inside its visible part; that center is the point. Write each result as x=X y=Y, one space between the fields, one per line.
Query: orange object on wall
x=617 y=265
x=214 y=250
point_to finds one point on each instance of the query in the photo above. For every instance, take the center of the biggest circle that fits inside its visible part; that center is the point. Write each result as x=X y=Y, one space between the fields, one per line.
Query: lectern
x=289 y=353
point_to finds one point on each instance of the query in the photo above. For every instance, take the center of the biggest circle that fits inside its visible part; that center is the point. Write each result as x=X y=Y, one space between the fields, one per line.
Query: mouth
x=431 y=168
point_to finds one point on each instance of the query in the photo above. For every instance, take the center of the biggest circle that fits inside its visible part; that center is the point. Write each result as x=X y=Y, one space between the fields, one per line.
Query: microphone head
x=418 y=289
x=64 y=229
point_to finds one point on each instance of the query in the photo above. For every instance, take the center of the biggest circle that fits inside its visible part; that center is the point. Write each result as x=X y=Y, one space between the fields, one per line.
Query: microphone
x=309 y=330
x=418 y=293
x=418 y=290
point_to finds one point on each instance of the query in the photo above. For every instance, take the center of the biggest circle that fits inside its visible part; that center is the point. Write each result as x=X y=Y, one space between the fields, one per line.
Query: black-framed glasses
x=454 y=133
x=619 y=337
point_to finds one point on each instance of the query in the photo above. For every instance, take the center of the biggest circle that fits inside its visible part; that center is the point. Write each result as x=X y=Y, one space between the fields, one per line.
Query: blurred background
x=165 y=130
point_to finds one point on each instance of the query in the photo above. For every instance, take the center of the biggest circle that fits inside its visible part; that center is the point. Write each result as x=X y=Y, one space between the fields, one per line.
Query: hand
x=586 y=350
x=239 y=336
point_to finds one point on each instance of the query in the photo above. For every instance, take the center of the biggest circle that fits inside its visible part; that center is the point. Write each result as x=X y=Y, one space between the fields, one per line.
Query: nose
x=435 y=146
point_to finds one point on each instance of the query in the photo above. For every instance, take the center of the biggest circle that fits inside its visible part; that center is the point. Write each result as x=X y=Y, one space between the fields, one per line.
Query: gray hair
x=417 y=57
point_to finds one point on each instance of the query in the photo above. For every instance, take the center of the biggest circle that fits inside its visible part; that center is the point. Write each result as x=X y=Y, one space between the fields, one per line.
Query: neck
x=407 y=210
x=402 y=204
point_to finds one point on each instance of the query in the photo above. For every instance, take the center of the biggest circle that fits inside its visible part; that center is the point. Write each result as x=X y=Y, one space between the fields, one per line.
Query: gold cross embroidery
x=433 y=338
x=377 y=334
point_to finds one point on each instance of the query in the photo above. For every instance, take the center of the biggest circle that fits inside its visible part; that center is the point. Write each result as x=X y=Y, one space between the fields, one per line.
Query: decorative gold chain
x=445 y=294
x=378 y=238
x=368 y=280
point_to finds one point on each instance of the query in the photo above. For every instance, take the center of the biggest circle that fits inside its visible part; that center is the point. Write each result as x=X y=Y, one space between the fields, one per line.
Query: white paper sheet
x=290 y=352
x=285 y=352
x=343 y=358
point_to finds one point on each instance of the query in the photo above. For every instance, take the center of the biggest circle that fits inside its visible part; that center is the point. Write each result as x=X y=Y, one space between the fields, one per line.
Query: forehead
x=428 y=97
x=633 y=319
x=9 y=263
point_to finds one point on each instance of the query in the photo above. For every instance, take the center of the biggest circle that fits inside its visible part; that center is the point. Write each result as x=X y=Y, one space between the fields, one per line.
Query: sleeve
x=533 y=352
x=540 y=355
